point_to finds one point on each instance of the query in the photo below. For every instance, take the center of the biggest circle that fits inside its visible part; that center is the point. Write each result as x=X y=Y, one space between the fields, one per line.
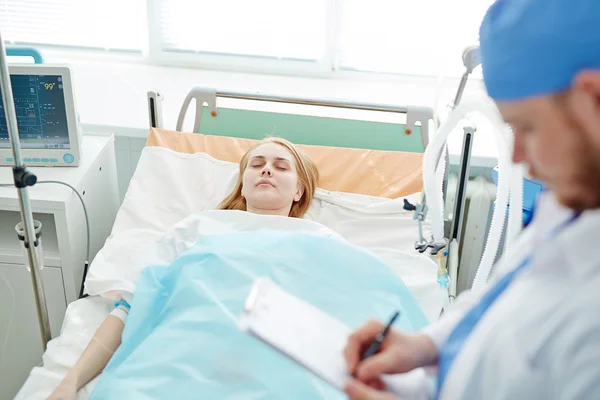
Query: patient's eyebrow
x=276 y=158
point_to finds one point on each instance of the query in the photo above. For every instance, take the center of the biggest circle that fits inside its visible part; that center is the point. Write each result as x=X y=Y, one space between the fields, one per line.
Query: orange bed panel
x=390 y=174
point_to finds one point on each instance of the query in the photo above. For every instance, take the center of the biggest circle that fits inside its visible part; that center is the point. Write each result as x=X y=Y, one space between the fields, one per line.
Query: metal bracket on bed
x=155 y=109
x=419 y=214
x=420 y=114
x=201 y=95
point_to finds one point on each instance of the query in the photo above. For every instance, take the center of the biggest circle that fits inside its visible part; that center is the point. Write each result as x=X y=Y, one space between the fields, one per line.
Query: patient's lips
x=265 y=182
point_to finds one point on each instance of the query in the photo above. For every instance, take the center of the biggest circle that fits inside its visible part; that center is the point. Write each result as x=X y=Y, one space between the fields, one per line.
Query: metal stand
x=22 y=179
x=471 y=59
x=419 y=215
x=155 y=100
x=461 y=185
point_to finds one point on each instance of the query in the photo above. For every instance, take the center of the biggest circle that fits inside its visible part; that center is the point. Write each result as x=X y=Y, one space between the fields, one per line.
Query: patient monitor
x=46 y=117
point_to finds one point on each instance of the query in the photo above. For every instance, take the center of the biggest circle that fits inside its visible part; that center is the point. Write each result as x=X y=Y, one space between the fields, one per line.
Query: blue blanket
x=181 y=339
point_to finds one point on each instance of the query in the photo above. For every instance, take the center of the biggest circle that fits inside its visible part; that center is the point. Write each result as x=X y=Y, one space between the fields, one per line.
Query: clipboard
x=301 y=331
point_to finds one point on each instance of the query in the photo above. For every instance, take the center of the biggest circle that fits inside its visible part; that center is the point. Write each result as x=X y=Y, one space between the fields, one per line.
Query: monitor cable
x=87 y=228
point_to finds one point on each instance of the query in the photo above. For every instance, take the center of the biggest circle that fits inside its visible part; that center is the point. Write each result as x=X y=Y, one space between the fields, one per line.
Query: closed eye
x=282 y=165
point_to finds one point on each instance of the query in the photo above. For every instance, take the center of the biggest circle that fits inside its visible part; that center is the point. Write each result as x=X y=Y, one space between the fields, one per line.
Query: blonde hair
x=308 y=176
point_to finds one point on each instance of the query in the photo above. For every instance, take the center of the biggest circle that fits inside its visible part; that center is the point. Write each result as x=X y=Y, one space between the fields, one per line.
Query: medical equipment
x=433 y=187
x=471 y=59
x=46 y=117
x=433 y=183
x=87 y=226
x=22 y=179
x=155 y=113
x=23 y=51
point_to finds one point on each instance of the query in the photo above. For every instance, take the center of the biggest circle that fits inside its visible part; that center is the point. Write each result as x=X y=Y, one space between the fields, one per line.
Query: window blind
x=107 y=24
x=425 y=37
x=261 y=28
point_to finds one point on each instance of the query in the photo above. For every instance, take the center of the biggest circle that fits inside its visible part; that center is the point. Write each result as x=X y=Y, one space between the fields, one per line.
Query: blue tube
x=21 y=51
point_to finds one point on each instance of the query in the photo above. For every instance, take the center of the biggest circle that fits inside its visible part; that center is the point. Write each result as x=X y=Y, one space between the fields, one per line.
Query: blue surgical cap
x=536 y=47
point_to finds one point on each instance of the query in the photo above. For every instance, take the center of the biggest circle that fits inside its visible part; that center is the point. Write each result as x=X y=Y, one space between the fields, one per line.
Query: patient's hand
x=67 y=390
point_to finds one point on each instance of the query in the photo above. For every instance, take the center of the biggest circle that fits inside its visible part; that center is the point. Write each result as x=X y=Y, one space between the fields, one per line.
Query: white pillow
x=167 y=186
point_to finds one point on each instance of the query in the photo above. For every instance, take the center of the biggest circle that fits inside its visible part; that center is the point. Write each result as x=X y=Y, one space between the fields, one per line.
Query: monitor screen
x=41 y=113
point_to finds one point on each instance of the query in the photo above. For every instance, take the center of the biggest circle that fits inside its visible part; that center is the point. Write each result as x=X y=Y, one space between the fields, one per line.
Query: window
x=304 y=37
x=424 y=37
x=107 y=24
x=276 y=29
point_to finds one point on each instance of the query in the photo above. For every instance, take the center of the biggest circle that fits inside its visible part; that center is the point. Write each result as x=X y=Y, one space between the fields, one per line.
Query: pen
x=376 y=344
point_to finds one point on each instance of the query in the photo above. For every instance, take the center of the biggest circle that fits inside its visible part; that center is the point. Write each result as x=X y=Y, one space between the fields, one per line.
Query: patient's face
x=270 y=182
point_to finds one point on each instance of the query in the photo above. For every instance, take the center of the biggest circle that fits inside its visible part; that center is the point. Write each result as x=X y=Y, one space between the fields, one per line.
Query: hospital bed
x=368 y=168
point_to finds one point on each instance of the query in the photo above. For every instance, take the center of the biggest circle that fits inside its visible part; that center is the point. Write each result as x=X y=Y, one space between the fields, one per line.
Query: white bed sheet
x=168 y=186
x=82 y=319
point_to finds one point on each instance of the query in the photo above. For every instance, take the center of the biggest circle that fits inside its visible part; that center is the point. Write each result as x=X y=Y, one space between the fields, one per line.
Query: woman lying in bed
x=276 y=178
x=181 y=339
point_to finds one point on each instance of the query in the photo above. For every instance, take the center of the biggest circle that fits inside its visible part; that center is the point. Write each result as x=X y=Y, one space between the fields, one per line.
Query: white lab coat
x=541 y=337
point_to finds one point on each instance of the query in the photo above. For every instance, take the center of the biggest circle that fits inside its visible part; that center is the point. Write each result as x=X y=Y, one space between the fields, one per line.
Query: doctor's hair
x=308 y=176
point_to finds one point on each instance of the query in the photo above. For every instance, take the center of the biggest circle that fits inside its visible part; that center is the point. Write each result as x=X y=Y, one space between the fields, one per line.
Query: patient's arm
x=104 y=343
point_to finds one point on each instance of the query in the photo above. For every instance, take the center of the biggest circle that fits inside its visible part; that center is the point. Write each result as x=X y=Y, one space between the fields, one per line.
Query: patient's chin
x=268 y=200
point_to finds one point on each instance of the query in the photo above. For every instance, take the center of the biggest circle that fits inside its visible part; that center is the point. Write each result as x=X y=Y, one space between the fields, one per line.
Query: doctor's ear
x=583 y=101
x=588 y=82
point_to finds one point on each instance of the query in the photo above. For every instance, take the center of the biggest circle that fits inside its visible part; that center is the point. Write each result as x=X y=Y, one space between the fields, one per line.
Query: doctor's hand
x=400 y=352
x=359 y=391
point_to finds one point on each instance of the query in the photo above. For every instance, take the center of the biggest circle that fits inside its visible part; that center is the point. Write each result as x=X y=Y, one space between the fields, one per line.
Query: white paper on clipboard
x=303 y=332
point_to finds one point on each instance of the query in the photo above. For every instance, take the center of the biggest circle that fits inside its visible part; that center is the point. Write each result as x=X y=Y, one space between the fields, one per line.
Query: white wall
x=127 y=151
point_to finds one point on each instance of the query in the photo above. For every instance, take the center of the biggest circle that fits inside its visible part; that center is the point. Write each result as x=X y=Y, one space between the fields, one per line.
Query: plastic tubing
x=515 y=214
x=440 y=175
x=433 y=188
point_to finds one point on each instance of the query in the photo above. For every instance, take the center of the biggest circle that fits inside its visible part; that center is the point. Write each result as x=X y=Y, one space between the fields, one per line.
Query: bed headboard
x=409 y=134
x=381 y=159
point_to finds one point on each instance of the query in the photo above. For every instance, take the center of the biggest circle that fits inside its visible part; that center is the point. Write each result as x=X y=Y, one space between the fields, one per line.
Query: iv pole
x=22 y=179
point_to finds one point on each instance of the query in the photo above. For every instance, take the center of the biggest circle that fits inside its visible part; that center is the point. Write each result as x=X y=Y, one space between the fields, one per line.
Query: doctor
x=534 y=332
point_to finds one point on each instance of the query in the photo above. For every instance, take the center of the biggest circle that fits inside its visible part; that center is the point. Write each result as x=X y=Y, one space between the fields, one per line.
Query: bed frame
x=410 y=134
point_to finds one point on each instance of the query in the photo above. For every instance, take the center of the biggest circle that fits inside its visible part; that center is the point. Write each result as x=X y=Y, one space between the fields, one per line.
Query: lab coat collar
x=575 y=243
x=578 y=244
x=549 y=214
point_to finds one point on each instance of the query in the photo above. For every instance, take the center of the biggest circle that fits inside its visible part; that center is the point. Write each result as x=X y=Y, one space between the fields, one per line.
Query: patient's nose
x=266 y=171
